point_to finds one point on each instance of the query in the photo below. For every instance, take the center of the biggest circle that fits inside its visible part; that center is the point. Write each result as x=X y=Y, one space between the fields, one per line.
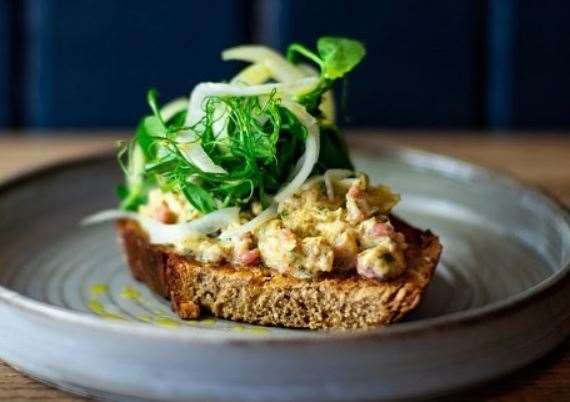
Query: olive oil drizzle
x=157 y=317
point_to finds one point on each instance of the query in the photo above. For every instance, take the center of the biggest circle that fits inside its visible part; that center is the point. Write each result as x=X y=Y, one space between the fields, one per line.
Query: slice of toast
x=261 y=296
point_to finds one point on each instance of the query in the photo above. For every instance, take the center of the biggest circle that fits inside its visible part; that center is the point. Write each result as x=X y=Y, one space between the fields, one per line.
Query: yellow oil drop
x=258 y=330
x=144 y=318
x=130 y=293
x=252 y=330
x=99 y=289
x=208 y=321
x=167 y=322
x=97 y=307
x=162 y=321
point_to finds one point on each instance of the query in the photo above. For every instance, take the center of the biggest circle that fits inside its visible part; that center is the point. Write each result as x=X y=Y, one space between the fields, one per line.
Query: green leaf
x=200 y=199
x=339 y=55
x=130 y=201
x=163 y=165
x=154 y=126
x=122 y=191
x=145 y=140
x=334 y=151
x=133 y=201
x=152 y=100
x=149 y=130
x=177 y=121
x=336 y=57
x=297 y=48
x=312 y=99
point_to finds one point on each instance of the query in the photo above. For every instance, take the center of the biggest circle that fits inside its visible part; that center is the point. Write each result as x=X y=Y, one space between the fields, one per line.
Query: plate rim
x=413 y=156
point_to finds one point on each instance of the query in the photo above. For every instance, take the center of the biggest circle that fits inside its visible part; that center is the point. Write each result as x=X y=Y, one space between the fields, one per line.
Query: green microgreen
x=254 y=139
x=336 y=57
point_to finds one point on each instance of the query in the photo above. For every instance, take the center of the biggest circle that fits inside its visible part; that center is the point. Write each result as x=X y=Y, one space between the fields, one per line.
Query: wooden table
x=541 y=158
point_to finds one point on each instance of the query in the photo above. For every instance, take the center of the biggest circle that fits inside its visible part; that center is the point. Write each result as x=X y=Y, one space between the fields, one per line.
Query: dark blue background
x=5 y=62
x=449 y=63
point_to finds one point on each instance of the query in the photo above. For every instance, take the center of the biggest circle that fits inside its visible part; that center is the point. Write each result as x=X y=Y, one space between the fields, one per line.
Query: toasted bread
x=259 y=295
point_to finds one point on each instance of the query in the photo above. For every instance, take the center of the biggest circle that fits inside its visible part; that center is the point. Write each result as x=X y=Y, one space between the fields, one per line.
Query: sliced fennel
x=270 y=64
x=136 y=168
x=209 y=89
x=281 y=69
x=333 y=175
x=195 y=154
x=250 y=226
x=169 y=110
x=311 y=154
x=252 y=75
x=160 y=233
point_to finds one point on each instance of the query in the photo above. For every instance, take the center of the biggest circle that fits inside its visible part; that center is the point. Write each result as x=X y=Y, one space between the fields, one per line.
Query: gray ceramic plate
x=73 y=317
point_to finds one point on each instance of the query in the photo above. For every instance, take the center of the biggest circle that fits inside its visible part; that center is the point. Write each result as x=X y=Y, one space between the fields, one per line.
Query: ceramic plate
x=72 y=316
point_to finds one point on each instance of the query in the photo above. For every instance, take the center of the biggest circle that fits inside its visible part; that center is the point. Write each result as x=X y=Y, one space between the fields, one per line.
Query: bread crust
x=259 y=295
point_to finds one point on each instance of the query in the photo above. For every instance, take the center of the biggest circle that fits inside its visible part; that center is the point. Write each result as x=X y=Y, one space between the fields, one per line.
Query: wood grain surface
x=541 y=158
